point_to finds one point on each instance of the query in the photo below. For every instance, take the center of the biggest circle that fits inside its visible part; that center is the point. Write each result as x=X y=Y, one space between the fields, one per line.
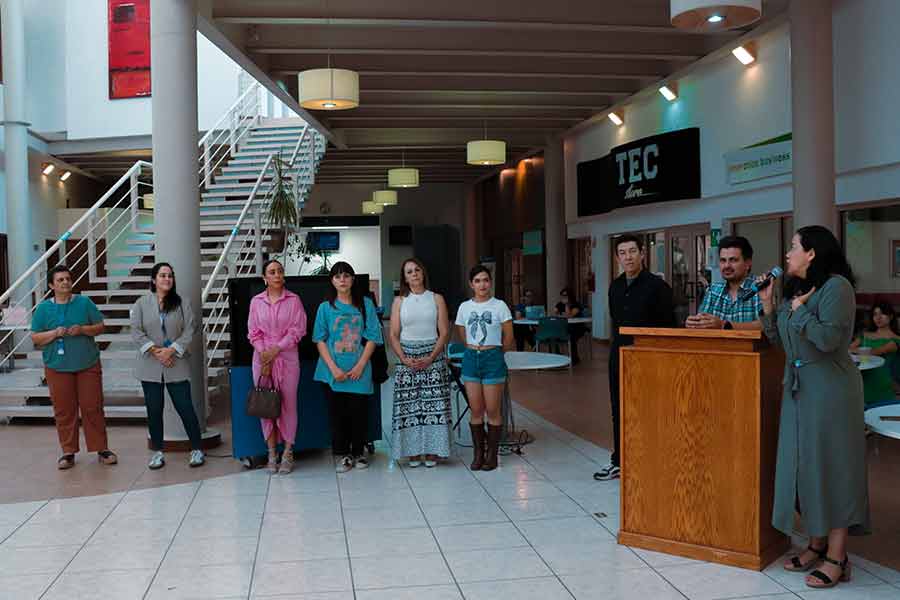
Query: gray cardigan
x=146 y=331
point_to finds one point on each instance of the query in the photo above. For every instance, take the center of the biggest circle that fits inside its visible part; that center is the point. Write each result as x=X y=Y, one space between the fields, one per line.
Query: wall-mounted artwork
x=895 y=257
x=129 y=48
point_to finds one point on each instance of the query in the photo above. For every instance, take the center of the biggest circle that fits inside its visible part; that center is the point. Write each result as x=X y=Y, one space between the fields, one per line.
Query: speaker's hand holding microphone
x=763 y=287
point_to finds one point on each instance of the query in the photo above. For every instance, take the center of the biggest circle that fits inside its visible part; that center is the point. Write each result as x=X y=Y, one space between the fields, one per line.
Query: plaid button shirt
x=717 y=302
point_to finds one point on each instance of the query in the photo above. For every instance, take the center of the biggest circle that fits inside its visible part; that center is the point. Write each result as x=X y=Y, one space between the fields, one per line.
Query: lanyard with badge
x=162 y=323
x=61 y=322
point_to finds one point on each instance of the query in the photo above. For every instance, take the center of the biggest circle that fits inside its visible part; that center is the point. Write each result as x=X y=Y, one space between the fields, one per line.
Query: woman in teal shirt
x=65 y=326
x=346 y=333
x=882 y=337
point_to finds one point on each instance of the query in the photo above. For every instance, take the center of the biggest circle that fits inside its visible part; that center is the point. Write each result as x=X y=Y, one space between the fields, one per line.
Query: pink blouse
x=282 y=324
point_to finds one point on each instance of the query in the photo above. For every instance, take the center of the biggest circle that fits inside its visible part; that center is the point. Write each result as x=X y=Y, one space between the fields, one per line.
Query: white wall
x=90 y=112
x=360 y=246
x=735 y=106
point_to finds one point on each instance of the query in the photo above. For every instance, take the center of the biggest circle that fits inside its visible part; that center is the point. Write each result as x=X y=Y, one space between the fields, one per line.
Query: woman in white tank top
x=419 y=332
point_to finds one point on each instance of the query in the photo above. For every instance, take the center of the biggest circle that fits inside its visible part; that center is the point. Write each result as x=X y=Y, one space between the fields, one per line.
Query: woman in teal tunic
x=883 y=338
x=821 y=465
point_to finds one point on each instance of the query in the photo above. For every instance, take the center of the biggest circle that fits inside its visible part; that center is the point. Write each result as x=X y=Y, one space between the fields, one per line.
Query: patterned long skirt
x=422 y=415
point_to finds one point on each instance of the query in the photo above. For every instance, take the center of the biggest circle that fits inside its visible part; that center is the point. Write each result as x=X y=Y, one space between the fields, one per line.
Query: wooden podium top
x=727 y=334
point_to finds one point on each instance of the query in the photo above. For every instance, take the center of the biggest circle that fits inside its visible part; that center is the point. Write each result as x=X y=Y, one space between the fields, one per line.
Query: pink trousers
x=286 y=376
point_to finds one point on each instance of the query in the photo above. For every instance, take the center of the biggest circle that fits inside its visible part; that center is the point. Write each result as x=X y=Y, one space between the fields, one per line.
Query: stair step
x=210 y=239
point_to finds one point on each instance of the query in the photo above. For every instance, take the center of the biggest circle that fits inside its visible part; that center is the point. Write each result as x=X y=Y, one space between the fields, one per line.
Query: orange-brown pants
x=71 y=392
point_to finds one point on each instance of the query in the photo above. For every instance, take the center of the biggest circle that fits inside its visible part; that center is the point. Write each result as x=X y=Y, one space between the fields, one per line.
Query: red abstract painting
x=129 y=48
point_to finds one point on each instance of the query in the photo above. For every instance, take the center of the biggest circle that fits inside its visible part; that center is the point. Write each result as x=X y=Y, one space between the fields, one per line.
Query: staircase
x=115 y=252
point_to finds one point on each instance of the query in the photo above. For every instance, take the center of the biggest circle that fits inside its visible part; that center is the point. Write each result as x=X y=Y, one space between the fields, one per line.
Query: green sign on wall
x=532 y=243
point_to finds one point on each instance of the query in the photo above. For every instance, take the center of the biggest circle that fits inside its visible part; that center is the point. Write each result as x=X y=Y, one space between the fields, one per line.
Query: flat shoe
x=65 y=462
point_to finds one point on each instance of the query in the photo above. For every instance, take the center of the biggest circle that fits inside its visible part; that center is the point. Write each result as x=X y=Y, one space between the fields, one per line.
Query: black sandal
x=66 y=461
x=827 y=582
x=800 y=567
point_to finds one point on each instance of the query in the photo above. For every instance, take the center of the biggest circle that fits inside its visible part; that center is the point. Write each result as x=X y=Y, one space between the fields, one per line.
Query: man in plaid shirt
x=721 y=307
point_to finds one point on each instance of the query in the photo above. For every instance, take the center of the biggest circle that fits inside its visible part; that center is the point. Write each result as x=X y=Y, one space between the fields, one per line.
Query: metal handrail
x=253 y=88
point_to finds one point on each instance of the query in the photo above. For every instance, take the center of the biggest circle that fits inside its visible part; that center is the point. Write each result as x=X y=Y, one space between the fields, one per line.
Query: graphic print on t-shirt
x=348 y=331
x=481 y=322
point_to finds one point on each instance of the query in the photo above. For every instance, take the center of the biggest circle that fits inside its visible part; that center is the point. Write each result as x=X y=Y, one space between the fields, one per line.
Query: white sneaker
x=345 y=465
x=361 y=463
x=157 y=461
x=197 y=458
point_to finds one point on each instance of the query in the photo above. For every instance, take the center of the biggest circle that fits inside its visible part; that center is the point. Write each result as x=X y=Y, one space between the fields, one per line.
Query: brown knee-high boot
x=477 y=446
x=493 y=447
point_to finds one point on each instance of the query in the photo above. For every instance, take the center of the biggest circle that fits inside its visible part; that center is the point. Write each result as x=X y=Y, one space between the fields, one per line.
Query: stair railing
x=221 y=141
x=25 y=294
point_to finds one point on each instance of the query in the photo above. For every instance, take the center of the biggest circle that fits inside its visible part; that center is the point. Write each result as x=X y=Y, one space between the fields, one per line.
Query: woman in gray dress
x=821 y=465
x=162 y=324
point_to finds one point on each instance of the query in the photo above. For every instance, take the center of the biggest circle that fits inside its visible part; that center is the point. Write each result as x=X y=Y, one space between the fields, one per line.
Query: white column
x=15 y=129
x=555 y=218
x=173 y=47
x=812 y=110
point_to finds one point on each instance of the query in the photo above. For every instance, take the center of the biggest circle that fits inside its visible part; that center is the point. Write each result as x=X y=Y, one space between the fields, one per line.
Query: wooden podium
x=699 y=417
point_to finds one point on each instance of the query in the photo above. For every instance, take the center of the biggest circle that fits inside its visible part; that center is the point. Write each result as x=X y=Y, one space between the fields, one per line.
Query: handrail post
x=134 y=205
x=207 y=172
x=91 y=248
x=257 y=241
x=231 y=138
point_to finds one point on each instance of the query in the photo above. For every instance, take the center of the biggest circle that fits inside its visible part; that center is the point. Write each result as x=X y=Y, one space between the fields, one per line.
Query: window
x=872 y=242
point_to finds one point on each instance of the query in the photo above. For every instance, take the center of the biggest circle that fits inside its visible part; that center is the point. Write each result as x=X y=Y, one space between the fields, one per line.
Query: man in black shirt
x=637 y=298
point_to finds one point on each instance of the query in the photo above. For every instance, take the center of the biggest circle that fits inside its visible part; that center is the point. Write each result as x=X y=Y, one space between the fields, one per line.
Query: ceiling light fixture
x=616 y=117
x=385 y=197
x=47 y=168
x=714 y=15
x=65 y=175
x=669 y=92
x=746 y=54
x=370 y=208
x=486 y=152
x=328 y=89
x=403 y=177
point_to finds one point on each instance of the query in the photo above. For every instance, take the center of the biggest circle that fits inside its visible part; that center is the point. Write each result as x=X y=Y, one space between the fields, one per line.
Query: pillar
x=471 y=233
x=173 y=47
x=15 y=129
x=812 y=110
x=555 y=218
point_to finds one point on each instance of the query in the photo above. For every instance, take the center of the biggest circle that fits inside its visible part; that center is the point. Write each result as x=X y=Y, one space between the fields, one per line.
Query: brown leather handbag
x=264 y=402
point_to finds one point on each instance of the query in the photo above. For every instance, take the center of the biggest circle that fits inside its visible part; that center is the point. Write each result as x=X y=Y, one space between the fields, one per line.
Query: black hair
x=886 y=309
x=477 y=270
x=57 y=269
x=829 y=260
x=568 y=292
x=269 y=262
x=357 y=297
x=628 y=237
x=172 y=300
x=739 y=242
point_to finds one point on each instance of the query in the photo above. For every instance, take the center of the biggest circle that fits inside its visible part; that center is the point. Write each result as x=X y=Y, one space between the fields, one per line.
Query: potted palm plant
x=282 y=214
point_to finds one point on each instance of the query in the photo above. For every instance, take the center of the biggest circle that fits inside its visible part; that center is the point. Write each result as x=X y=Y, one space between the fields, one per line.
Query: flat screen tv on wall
x=400 y=235
x=324 y=240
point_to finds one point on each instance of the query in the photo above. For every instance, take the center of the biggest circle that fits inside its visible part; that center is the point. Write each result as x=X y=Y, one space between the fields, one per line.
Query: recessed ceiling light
x=715 y=18
x=328 y=105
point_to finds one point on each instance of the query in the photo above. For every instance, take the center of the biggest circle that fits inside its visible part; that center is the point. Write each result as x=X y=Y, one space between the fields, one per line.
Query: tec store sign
x=661 y=168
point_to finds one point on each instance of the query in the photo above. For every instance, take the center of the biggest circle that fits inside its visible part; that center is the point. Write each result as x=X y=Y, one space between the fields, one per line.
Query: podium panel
x=699 y=418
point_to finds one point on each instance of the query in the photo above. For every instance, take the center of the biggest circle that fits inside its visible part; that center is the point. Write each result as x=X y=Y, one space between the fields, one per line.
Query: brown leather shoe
x=493 y=447
x=478 y=438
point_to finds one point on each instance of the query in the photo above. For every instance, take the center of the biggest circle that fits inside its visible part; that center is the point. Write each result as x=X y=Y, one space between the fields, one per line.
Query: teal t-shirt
x=341 y=327
x=79 y=352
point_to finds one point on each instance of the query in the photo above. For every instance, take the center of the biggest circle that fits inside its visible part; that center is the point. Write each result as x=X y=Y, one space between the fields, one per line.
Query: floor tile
x=225 y=506
x=221 y=551
x=35 y=560
x=841 y=592
x=24 y=587
x=541 y=508
x=885 y=574
x=490 y=565
x=320 y=484
x=660 y=559
x=51 y=534
x=197 y=528
x=708 y=581
x=101 y=585
x=324 y=518
x=436 y=592
x=357 y=498
x=18 y=512
x=573 y=530
x=274 y=548
x=464 y=513
x=379 y=572
x=383 y=518
x=484 y=536
x=640 y=584
x=321 y=596
x=143 y=530
x=121 y=555
x=546 y=588
x=796 y=582
x=383 y=542
x=523 y=489
x=304 y=577
x=196 y=582
x=583 y=559
x=470 y=492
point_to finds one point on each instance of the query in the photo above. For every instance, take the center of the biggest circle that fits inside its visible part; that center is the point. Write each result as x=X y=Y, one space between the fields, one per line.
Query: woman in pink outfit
x=276 y=325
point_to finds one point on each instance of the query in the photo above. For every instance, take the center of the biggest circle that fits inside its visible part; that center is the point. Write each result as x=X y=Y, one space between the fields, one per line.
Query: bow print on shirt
x=475 y=322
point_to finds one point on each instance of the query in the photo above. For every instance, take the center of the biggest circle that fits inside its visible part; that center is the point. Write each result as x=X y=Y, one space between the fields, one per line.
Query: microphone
x=772 y=275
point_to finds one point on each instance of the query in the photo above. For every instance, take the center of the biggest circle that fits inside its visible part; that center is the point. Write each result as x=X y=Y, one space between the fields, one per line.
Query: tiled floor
x=531 y=529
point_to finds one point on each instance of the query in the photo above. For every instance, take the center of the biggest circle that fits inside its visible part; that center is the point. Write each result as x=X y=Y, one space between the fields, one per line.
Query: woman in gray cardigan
x=162 y=324
x=821 y=466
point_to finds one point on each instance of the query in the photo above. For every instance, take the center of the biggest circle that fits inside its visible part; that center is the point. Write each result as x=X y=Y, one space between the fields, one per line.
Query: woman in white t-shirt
x=486 y=324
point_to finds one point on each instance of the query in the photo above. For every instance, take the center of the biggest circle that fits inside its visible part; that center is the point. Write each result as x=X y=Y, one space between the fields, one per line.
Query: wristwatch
x=727 y=325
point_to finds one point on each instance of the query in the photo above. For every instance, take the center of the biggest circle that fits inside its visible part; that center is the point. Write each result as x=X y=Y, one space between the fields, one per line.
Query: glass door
x=690 y=272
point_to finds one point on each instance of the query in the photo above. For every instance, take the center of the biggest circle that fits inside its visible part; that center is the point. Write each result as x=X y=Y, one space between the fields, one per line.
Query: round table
x=889 y=426
x=867 y=361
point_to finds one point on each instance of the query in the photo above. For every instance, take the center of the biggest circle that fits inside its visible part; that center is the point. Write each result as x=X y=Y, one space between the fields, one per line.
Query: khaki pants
x=71 y=392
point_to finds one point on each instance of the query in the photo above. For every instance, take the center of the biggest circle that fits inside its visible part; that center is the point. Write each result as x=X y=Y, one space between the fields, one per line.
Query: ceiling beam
x=426 y=106
x=368 y=91
x=496 y=74
x=557 y=54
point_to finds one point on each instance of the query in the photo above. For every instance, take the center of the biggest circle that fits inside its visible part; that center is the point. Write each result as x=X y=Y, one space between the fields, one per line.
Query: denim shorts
x=484 y=366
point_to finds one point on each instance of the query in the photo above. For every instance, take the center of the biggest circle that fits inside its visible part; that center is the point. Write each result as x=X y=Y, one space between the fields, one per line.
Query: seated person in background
x=881 y=338
x=569 y=308
x=523 y=333
x=722 y=307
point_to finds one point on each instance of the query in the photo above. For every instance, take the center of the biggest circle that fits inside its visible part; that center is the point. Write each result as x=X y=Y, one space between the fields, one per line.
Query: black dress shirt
x=645 y=302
